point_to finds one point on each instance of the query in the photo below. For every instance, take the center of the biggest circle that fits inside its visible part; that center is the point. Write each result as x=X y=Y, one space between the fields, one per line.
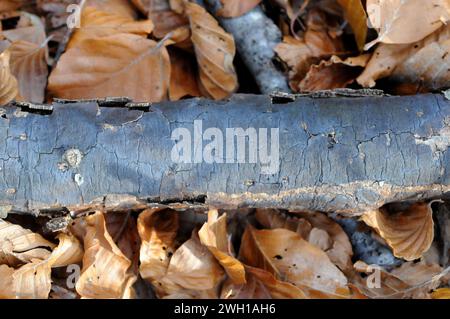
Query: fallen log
x=339 y=154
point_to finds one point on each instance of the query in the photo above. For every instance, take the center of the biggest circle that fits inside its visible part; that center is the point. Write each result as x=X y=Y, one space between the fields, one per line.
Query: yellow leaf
x=215 y=51
x=442 y=293
x=409 y=233
x=117 y=65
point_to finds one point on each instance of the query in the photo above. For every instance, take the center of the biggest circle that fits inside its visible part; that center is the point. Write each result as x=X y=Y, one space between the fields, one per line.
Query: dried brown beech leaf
x=123 y=230
x=390 y=58
x=301 y=54
x=29 y=66
x=260 y=284
x=340 y=249
x=416 y=273
x=186 y=271
x=333 y=74
x=356 y=17
x=33 y=280
x=8 y=84
x=119 y=7
x=158 y=232
x=106 y=272
x=406 y=21
x=382 y=284
x=318 y=229
x=292 y=259
x=192 y=266
x=409 y=233
x=236 y=8
x=29 y=57
x=215 y=51
x=19 y=245
x=9 y=5
x=96 y=24
x=183 y=80
x=30 y=28
x=117 y=65
x=214 y=236
x=165 y=19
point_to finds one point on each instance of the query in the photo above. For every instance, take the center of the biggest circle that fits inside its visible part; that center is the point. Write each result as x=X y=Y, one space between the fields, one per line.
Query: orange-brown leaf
x=409 y=233
x=118 y=65
x=236 y=8
x=215 y=52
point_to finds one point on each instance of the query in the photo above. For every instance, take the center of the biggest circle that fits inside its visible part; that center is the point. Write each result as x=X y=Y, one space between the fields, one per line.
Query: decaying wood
x=256 y=37
x=345 y=155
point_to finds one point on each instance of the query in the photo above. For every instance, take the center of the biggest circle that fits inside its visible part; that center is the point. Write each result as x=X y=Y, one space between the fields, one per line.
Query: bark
x=256 y=37
x=341 y=154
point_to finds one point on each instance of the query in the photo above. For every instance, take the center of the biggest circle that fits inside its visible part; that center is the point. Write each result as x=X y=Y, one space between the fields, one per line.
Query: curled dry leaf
x=119 y=7
x=406 y=21
x=292 y=259
x=333 y=74
x=318 y=229
x=409 y=233
x=187 y=271
x=215 y=51
x=301 y=54
x=158 y=231
x=382 y=284
x=260 y=284
x=236 y=8
x=192 y=266
x=106 y=272
x=29 y=57
x=97 y=24
x=33 y=280
x=117 y=65
x=214 y=236
x=19 y=245
x=29 y=66
x=424 y=62
x=8 y=84
x=165 y=19
x=415 y=274
x=123 y=230
x=357 y=18
x=183 y=80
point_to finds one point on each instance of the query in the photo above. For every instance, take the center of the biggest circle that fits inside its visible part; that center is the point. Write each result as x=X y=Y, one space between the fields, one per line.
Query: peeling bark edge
x=340 y=154
x=256 y=37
